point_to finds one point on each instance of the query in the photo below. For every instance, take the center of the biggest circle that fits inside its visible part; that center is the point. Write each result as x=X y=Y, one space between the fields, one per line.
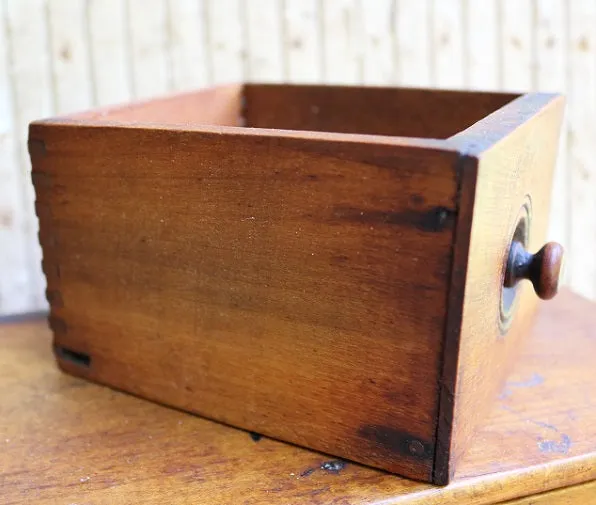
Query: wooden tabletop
x=63 y=440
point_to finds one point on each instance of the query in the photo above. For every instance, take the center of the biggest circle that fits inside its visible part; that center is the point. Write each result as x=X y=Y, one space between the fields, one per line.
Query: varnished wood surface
x=221 y=105
x=243 y=273
x=370 y=110
x=248 y=277
x=543 y=269
x=583 y=494
x=507 y=163
x=65 y=440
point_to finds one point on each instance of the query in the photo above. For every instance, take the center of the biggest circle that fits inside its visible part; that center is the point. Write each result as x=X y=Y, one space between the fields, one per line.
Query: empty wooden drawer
x=331 y=266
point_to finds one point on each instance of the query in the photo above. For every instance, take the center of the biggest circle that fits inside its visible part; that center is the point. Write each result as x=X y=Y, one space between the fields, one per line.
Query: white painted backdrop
x=58 y=56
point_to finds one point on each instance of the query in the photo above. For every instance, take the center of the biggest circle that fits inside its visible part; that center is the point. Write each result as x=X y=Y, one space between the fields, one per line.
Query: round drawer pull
x=543 y=269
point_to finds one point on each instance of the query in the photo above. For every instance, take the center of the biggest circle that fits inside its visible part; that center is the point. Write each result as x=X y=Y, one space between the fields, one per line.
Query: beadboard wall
x=58 y=56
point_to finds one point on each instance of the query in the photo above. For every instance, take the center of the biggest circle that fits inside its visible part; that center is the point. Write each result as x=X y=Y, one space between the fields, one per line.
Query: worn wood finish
x=373 y=110
x=65 y=440
x=583 y=493
x=507 y=164
x=231 y=284
x=240 y=273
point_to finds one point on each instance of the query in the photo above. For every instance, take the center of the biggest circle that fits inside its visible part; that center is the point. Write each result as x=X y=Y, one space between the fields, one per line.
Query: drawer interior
x=402 y=112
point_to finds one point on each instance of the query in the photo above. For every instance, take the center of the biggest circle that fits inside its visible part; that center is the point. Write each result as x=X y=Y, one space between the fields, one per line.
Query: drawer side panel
x=291 y=287
x=507 y=164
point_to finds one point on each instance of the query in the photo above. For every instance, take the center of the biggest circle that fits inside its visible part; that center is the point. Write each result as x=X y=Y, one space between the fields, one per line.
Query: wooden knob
x=543 y=269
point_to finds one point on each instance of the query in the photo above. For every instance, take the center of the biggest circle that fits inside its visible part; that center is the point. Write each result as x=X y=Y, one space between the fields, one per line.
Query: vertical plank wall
x=58 y=56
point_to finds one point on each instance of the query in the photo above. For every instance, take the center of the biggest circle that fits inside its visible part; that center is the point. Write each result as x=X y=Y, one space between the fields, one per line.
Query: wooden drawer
x=323 y=265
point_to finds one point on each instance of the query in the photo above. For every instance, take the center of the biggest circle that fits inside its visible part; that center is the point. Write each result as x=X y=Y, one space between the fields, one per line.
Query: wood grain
x=341 y=42
x=213 y=106
x=552 y=25
x=233 y=286
x=447 y=42
x=376 y=24
x=507 y=164
x=482 y=46
x=368 y=110
x=188 y=51
x=67 y=37
x=148 y=43
x=583 y=493
x=302 y=41
x=239 y=272
x=16 y=285
x=414 y=45
x=65 y=440
x=107 y=39
x=581 y=81
x=225 y=39
x=543 y=269
x=264 y=43
x=30 y=98
x=517 y=52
